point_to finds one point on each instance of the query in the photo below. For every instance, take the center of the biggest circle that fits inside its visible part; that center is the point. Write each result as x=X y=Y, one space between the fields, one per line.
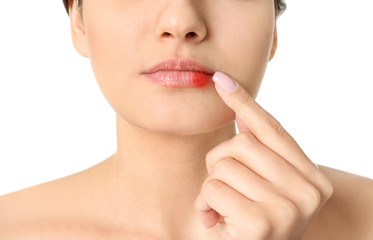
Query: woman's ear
x=274 y=43
x=78 y=30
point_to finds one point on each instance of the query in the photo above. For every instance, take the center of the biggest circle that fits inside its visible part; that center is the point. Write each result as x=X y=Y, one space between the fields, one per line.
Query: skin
x=156 y=185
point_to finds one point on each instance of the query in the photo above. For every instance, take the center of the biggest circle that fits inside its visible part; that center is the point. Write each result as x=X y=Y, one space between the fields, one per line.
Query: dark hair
x=280 y=6
x=66 y=3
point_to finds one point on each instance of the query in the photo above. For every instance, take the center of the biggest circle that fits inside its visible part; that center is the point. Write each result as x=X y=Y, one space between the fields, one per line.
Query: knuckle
x=312 y=199
x=262 y=225
x=209 y=154
x=222 y=166
x=287 y=212
x=209 y=159
x=326 y=187
x=212 y=186
x=259 y=224
x=328 y=190
x=212 y=154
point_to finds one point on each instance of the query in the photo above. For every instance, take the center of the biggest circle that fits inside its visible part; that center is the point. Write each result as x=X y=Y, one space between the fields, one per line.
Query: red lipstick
x=179 y=73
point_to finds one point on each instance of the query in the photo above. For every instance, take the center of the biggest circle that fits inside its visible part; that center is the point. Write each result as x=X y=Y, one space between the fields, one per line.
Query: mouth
x=179 y=73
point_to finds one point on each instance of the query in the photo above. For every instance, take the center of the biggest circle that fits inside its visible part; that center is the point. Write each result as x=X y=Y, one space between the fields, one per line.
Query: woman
x=178 y=77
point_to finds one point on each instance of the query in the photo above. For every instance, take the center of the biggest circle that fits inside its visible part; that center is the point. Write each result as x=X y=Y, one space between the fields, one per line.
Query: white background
x=54 y=120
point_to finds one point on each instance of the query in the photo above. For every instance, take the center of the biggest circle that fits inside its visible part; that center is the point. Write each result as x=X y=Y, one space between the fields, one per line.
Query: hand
x=261 y=185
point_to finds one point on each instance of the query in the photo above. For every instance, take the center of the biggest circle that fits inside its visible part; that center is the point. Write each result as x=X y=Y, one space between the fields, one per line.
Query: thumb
x=209 y=218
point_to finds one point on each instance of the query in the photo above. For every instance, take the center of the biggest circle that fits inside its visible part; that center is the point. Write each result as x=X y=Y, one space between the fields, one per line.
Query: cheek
x=111 y=45
x=108 y=45
x=256 y=57
x=113 y=33
x=247 y=41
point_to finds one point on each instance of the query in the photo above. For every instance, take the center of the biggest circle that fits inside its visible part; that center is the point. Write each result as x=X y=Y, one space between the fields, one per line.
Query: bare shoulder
x=27 y=208
x=46 y=208
x=348 y=214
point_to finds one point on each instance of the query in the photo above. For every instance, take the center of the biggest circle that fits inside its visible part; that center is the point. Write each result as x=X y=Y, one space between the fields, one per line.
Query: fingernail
x=224 y=82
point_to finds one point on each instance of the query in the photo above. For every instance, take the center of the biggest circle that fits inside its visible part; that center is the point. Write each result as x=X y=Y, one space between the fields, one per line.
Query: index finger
x=262 y=124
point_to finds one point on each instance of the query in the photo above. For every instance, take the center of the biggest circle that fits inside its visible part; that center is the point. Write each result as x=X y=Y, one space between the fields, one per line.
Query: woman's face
x=123 y=38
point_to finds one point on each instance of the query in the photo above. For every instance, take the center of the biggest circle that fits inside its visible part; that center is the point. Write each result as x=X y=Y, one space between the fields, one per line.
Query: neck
x=160 y=174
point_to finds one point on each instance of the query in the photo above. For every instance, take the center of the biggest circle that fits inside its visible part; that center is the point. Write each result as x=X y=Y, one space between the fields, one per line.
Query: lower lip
x=180 y=79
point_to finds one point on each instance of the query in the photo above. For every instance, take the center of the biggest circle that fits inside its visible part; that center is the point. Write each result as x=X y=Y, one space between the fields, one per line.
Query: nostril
x=166 y=34
x=191 y=34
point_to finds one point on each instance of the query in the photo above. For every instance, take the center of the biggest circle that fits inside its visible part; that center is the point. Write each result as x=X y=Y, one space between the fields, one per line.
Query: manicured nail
x=224 y=82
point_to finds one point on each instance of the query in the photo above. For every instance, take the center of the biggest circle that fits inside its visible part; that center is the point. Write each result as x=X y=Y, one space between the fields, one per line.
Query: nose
x=180 y=21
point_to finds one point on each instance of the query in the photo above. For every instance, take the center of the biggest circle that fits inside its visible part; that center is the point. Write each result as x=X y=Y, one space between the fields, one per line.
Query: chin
x=181 y=124
x=174 y=112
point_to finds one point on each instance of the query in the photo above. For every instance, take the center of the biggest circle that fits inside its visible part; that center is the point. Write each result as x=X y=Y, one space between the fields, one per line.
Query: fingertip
x=208 y=218
x=226 y=83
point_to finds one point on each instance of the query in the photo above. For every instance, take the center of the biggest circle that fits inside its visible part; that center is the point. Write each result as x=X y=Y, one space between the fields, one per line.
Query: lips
x=179 y=73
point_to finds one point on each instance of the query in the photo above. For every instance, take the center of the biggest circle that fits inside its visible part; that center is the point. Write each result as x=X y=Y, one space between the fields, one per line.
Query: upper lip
x=175 y=64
